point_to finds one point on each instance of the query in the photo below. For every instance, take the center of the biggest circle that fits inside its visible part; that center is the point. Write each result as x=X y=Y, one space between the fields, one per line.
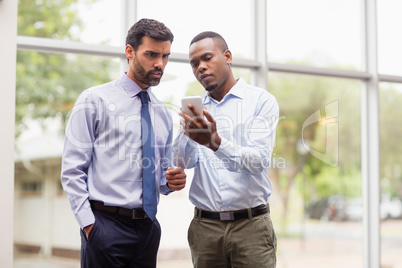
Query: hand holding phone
x=196 y=101
x=201 y=129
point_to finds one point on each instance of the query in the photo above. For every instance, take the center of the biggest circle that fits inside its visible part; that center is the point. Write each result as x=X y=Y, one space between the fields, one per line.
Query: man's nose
x=202 y=67
x=158 y=64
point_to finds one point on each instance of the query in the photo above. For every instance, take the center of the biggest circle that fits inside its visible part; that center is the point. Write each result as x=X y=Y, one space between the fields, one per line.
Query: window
x=92 y=22
x=389 y=43
x=317 y=197
x=391 y=173
x=315 y=32
x=186 y=19
x=317 y=165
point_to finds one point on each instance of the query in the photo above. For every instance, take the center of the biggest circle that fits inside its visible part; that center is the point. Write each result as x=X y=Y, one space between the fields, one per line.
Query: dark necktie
x=148 y=159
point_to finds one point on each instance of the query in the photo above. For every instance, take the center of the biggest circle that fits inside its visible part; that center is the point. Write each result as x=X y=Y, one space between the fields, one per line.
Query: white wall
x=66 y=231
x=8 y=32
x=44 y=218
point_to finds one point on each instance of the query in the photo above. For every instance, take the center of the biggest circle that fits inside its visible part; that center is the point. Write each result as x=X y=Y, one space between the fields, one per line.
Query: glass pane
x=88 y=21
x=389 y=41
x=315 y=32
x=316 y=201
x=391 y=174
x=47 y=87
x=185 y=20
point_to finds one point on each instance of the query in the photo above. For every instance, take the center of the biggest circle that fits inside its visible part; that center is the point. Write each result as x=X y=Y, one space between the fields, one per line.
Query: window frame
x=260 y=74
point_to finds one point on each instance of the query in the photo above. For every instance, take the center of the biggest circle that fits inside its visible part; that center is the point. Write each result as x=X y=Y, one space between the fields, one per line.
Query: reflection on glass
x=391 y=174
x=315 y=32
x=316 y=202
x=47 y=87
x=389 y=42
x=230 y=18
x=93 y=22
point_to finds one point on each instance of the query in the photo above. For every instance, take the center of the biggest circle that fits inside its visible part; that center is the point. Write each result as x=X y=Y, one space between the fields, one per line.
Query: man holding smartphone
x=230 y=149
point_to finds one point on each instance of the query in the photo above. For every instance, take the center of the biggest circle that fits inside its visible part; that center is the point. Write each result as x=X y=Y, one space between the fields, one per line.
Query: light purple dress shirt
x=102 y=152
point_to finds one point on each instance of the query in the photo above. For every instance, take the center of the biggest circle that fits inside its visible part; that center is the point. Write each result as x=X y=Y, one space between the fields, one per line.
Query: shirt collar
x=236 y=91
x=131 y=87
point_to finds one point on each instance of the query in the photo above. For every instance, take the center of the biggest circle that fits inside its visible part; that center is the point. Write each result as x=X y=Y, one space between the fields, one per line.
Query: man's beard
x=144 y=76
x=211 y=87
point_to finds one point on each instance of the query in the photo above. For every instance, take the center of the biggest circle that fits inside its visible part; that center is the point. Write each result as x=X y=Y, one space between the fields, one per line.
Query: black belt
x=134 y=214
x=234 y=214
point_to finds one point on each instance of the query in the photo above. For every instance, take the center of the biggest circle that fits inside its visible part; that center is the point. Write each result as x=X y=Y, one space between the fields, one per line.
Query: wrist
x=216 y=143
x=87 y=227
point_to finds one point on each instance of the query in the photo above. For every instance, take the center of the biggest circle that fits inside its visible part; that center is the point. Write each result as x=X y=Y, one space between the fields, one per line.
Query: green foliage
x=299 y=97
x=332 y=181
x=390 y=134
x=48 y=84
x=48 y=18
x=195 y=89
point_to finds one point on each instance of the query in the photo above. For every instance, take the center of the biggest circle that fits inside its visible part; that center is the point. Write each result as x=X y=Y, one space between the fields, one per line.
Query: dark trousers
x=116 y=241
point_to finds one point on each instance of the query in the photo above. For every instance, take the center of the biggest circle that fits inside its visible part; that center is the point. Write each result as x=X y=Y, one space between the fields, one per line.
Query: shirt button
x=223 y=187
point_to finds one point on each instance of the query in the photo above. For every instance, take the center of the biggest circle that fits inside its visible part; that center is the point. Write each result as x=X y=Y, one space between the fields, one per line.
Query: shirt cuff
x=165 y=189
x=225 y=149
x=85 y=218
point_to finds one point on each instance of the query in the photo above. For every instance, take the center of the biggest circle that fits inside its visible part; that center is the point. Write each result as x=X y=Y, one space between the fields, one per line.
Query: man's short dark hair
x=219 y=40
x=148 y=27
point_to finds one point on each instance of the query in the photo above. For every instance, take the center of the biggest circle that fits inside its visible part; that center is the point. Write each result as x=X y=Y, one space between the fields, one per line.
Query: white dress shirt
x=236 y=175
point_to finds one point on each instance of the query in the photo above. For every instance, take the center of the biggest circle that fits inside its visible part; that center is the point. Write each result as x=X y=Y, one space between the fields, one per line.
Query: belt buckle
x=226 y=216
x=137 y=214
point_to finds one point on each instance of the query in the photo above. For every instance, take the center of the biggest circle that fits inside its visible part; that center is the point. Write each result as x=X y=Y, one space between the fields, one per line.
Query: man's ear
x=129 y=52
x=228 y=56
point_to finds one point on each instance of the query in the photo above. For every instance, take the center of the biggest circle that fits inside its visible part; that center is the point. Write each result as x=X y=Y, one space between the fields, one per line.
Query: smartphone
x=196 y=101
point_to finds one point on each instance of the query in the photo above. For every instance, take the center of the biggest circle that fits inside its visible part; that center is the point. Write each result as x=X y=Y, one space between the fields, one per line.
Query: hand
x=88 y=229
x=176 y=178
x=199 y=129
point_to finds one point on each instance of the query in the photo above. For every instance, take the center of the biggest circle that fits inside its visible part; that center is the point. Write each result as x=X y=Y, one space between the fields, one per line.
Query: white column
x=370 y=140
x=128 y=18
x=8 y=30
x=259 y=39
x=49 y=193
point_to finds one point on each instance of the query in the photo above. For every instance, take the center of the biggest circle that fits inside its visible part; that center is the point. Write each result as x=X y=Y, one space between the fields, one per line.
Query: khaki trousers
x=241 y=243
